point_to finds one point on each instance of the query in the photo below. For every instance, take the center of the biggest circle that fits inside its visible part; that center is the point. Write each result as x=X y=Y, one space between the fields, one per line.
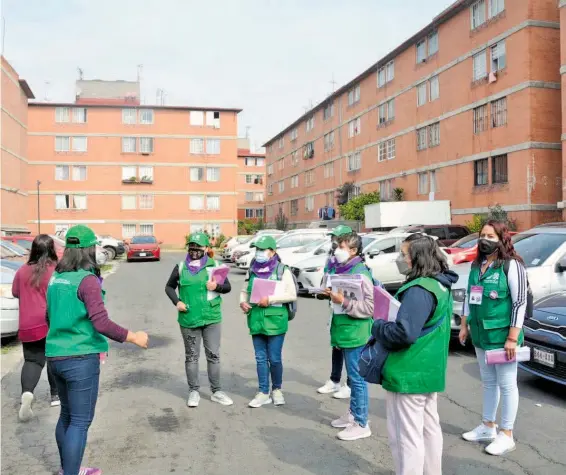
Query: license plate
x=543 y=357
x=143 y=254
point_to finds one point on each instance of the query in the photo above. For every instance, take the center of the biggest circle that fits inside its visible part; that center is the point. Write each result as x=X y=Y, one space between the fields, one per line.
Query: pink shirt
x=33 y=303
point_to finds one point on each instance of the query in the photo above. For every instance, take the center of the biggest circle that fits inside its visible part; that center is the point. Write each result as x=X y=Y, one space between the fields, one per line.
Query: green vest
x=421 y=368
x=193 y=293
x=346 y=331
x=71 y=331
x=270 y=321
x=490 y=321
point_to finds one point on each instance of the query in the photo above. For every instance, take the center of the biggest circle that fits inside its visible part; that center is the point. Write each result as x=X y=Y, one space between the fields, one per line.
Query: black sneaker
x=55 y=401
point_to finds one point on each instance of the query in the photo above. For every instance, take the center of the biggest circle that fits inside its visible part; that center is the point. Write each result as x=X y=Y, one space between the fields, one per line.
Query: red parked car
x=144 y=248
x=466 y=249
x=26 y=240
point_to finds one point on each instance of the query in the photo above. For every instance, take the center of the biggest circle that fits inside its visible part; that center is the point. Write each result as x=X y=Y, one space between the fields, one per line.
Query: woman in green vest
x=494 y=311
x=268 y=319
x=199 y=308
x=350 y=331
x=78 y=325
x=417 y=344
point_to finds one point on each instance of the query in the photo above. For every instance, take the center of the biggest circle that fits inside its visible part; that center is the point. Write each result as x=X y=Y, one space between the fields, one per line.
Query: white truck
x=394 y=214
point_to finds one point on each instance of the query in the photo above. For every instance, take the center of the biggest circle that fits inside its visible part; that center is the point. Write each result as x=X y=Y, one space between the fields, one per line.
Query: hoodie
x=417 y=307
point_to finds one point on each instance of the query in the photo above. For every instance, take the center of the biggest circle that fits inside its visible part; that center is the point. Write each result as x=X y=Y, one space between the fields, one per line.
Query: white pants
x=415 y=435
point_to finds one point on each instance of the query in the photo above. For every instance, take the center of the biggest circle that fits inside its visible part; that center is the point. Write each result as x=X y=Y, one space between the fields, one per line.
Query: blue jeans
x=499 y=380
x=77 y=382
x=359 y=400
x=337 y=365
x=268 y=351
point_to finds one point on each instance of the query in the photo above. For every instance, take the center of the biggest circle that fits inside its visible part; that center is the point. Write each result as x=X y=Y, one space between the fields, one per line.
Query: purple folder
x=219 y=274
x=262 y=288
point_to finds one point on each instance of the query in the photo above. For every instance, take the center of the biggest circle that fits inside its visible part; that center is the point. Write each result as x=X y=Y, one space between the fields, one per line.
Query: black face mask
x=333 y=247
x=195 y=253
x=486 y=247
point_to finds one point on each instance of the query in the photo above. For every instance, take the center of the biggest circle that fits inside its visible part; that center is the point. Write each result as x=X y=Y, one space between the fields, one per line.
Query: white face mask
x=341 y=255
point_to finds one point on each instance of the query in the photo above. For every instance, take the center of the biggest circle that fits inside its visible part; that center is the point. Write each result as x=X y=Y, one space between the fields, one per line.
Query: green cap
x=80 y=236
x=199 y=238
x=341 y=230
x=265 y=242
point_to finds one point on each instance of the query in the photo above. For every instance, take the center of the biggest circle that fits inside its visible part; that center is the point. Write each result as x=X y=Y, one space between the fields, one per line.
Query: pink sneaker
x=344 y=421
x=354 y=432
x=86 y=471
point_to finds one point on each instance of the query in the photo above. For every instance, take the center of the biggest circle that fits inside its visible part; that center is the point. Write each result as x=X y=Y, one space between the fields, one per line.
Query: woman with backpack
x=199 y=307
x=268 y=319
x=30 y=287
x=494 y=310
x=349 y=331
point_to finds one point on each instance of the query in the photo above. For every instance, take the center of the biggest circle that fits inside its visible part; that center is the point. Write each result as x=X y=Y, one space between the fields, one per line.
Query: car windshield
x=143 y=240
x=467 y=242
x=244 y=239
x=311 y=246
x=367 y=240
x=14 y=248
x=535 y=249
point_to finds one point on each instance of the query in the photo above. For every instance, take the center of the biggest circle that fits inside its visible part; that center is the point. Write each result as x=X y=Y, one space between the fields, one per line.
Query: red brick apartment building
x=251 y=183
x=466 y=110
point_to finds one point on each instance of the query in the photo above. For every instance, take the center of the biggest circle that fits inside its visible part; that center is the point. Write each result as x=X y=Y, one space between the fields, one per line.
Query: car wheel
x=111 y=253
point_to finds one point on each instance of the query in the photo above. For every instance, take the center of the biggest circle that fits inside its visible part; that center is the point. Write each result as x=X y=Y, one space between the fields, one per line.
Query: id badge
x=476 y=295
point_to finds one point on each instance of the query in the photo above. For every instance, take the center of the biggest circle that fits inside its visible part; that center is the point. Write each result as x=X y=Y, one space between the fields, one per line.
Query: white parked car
x=101 y=254
x=9 y=306
x=232 y=243
x=309 y=272
x=113 y=247
x=290 y=256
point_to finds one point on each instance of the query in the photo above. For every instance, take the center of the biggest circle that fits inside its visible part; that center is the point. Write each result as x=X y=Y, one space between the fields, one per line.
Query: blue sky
x=271 y=58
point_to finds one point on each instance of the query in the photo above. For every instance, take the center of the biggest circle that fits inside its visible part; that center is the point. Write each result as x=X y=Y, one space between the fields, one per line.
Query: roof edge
x=137 y=106
x=27 y=90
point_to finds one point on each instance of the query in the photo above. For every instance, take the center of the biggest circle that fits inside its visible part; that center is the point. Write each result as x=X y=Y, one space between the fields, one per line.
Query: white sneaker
x=501 y=445
x=354 y=432
x=25 y=409
x=329 y=387
x=221 y=398
x=194 y=399
x=481 y=433
x=260 y=399
x=278 y=398
x=343 y=393
x=343 y=422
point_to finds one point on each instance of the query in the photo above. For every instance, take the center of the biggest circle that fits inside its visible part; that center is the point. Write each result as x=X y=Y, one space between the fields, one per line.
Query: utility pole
x=38 y=210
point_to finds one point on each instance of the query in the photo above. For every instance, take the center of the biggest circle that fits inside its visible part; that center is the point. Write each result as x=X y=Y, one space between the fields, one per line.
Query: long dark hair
x=75 y=259
x=42 y=255
x=506 y=250
x=426 y=257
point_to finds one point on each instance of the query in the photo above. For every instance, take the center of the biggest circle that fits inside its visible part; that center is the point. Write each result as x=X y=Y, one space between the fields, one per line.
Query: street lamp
x=38 y=210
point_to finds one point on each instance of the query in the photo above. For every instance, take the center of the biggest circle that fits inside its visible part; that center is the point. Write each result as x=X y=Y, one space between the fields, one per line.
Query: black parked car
x=545 y=334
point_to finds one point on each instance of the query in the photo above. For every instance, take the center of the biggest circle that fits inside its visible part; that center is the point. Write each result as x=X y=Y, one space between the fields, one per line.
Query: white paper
x=350 y=287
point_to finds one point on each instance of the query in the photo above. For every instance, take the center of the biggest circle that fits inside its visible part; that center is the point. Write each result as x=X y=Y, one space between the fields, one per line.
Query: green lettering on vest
x=272 y=320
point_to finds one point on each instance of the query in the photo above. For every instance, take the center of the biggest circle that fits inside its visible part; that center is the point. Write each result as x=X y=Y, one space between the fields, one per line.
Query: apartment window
x=213 y=174
x=146 y=116
x=129 y=116
x=129 y=173
x=62 y=144
x=146 y=144
x=128 y=230
x=129 y=202
x=354 y=191
x=423 y=183
x=260 y=162
x=213 y=202
x=381 y=77
x=129 y=144
x=421 y=94
x=329 y=141
x=434 y=86
x=295 y=181
x=259 y=213
x=146 y=229
x=499 y=169
x=79 y=144
x=390 y=145
x=480 y=119
x=250 y=212
x=308 y=150
x=498 y=57
x=197 y=174
x=62 y=172
x=146 y=201
x=382 y=152
x=146 y=174
x=385 y=190
x=281 y=186
x=328 y=170
x=480 y=172
x=294 y=134
x=269 y=170
x=249 y=196
x=422 y=137
x=354 y=127
x=281 y=164
x=433 y=43
x=213 y=119
x=197 y=118
x=79 y=115
x=258 y=197
x=495 y=7
x=478 y=14
x=433 y=184
x=309 y=178
x=79 y=173
x=295 y=158
x=328 y=111
x=355 y=161
x=294 y=207
x=386 y=74
x=62 y=114
x=281 y=142
x=310 y=123
x=309 y=203
x=249 y=179
x=213 y=146
x=70 y=202
x=250 y=162
x=434 y=135
x=386 y=112
x=197 y=146
x=421 y=51
x=196 y=202
x=270 y=189
x=480 y=66
x=499 y=112
x=354 y=95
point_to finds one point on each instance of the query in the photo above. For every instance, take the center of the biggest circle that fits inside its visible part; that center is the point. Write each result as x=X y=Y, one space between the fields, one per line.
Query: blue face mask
x=261 y=256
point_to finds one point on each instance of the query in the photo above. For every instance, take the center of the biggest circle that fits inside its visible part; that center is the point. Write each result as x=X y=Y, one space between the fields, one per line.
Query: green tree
x=398 y=194
x=354 y=208
x=281 y=221
x=496 y=213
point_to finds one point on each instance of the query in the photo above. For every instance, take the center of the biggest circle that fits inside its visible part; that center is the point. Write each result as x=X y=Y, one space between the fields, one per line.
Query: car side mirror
x=561 y=265
x=372 y=254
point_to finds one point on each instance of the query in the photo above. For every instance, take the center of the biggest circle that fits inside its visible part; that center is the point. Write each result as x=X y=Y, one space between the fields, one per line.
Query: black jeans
x=337 y=365
x=34 y=361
